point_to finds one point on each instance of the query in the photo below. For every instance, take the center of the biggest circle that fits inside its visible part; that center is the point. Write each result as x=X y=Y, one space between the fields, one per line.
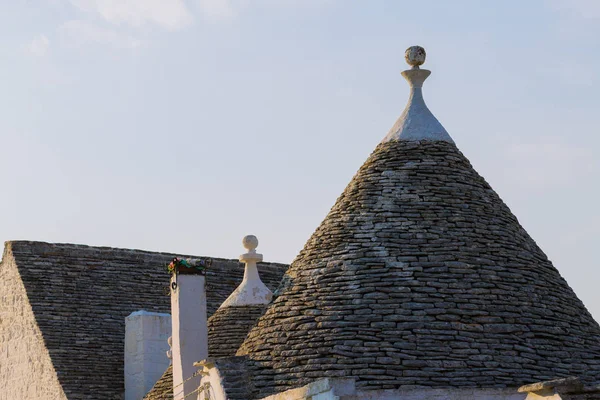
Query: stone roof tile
x=229 y=326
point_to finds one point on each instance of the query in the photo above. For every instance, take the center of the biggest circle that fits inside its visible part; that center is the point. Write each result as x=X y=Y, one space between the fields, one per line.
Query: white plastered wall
x=26 y=370
x=322 y=389
x=441 y=394
x=344 y=389
x=210 y=384
x=146 y=335
x=544 y=395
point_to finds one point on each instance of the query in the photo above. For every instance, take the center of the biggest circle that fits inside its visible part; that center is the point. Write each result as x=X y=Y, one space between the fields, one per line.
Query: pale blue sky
x=181 y=126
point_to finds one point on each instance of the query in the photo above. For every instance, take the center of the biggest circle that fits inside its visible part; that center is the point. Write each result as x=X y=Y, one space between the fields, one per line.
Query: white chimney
x=190 y=333
x=146 y=336
x=252 y=291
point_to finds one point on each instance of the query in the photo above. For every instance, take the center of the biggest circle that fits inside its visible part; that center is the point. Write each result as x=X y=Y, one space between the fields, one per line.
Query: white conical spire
x=252 y=291
x=417 y=122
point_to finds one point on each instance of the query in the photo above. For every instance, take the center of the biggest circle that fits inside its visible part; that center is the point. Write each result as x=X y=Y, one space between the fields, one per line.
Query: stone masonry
x=229 y=326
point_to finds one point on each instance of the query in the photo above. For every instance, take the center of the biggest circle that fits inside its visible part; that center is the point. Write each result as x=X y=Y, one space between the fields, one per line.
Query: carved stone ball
x=415 y=56
x=250 y=242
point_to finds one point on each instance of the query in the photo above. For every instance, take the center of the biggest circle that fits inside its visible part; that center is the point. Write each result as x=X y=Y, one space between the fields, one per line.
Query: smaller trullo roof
x=421 y=276
x=229 y=326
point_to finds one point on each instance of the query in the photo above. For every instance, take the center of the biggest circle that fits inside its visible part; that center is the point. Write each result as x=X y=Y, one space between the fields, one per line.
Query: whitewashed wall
x=344 y=389
x=26 y=371
x=441 y=394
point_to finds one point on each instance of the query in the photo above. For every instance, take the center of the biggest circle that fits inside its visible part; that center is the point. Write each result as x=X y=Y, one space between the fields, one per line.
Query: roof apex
x=417 y=122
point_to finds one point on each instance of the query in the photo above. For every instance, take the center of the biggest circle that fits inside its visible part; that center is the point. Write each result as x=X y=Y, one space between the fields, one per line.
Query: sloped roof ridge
x=122 y=249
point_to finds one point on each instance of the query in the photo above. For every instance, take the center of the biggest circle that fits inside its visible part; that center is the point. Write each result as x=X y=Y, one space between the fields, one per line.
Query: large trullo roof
x=421 y=275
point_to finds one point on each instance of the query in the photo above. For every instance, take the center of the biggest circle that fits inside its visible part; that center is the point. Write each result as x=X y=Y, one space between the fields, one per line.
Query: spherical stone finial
x=250 y=242
x=415 y=56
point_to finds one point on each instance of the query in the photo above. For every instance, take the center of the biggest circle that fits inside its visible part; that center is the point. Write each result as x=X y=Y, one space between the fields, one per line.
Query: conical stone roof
x=421 y=276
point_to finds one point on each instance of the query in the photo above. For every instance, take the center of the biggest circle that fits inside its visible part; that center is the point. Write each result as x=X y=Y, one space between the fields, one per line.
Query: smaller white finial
x=415 y=56
x=252 y=291
x=250 y=243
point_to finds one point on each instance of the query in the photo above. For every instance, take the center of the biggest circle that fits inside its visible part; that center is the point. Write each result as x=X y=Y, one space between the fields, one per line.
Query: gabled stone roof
x=79 y=297
x=421 y=275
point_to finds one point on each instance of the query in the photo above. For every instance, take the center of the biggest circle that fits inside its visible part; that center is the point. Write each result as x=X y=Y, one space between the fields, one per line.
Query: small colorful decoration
x=178 y=264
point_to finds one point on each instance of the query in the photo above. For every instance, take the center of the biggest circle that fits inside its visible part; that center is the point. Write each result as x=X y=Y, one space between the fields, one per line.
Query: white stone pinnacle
x=252 y=291
x=417 y=122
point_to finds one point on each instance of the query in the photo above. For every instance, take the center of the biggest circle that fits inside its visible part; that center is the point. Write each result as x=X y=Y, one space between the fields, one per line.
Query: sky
x=183 y=125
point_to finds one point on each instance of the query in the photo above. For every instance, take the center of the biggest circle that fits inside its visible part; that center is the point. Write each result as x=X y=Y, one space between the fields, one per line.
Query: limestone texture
x=420 y=276
x=26 y=370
